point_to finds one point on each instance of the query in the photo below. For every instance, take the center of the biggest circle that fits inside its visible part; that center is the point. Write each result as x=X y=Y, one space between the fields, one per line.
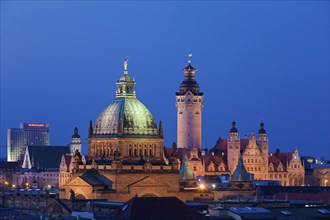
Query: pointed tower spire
x=240 y=173
x=90 y=130
x=160 y=129
x=185 y=170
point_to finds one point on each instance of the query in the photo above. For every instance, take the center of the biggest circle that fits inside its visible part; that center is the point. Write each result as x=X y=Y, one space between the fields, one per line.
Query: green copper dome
x=126 y=116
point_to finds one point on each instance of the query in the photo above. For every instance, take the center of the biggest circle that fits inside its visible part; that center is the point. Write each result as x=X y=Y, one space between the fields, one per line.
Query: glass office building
x=29 y=134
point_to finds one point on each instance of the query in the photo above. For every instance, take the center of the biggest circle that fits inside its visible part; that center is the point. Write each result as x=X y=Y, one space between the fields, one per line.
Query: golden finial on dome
x=125 y=66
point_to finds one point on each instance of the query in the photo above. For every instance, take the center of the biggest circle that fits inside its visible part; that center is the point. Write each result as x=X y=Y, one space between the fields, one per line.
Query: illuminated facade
x=29 y=134
x=75 y=144
x=189 y=106
x=287 y=167
x=125 y=153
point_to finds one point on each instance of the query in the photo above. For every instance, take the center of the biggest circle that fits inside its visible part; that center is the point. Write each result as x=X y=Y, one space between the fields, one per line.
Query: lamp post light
x=202 y=187
x=6 y=184
x=27 y=185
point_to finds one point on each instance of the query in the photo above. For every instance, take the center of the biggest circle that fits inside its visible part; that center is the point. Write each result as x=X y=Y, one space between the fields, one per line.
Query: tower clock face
x=295 y=157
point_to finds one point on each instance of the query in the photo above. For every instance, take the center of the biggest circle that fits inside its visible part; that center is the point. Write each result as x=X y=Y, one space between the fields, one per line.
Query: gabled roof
x=45 y=157
x=62 y=205
x=216 y=159
x=94 y=178
x=157 y=208
x=283 y=158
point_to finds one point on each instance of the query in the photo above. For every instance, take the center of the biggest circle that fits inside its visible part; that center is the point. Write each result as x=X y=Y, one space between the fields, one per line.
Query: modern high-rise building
x=28 y=134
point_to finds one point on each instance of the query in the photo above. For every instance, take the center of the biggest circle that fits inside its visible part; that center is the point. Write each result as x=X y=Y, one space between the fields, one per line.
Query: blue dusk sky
x=256 y=60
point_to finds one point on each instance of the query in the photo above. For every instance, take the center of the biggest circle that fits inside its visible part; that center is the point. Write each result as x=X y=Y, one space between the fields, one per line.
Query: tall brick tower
x=189 y=105
x=263 y=142
x=234 y=148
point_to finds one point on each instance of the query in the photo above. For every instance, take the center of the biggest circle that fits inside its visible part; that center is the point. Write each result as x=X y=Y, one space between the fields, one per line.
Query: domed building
x=126 y=128
x=125 y=154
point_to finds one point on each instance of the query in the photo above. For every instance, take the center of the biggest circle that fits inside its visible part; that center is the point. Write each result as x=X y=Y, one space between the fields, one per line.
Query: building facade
x=29 y=134
x=223 y=158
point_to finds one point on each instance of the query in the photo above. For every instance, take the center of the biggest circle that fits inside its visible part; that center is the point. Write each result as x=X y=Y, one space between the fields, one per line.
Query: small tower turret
x=75 y=142
x=189 y=105
x=234 y=147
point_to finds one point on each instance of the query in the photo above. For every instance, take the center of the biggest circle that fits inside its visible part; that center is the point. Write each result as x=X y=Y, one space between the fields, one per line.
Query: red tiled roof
x=222 y=144
x=280 y=158
x=180 y=152
x=216 y=159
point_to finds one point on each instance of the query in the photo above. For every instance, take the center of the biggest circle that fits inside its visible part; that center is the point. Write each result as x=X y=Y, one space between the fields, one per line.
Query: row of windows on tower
x=197 y=113
x=252 y=161
x=253 y=169
x=188 y=100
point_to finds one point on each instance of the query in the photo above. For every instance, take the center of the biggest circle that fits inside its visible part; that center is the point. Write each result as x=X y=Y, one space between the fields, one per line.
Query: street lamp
x=27 y=185
x=6 y=184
